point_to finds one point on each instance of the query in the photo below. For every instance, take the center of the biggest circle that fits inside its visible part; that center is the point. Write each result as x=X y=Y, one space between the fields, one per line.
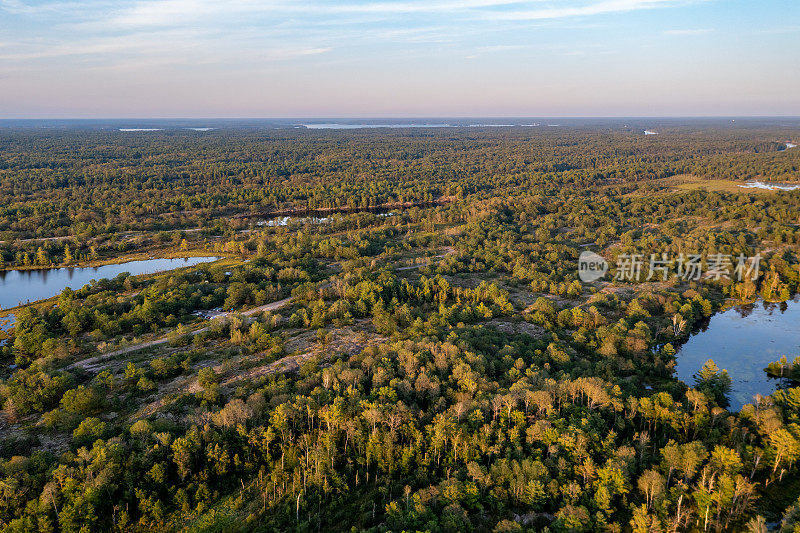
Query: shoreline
x=9 y=311
x=128 y=258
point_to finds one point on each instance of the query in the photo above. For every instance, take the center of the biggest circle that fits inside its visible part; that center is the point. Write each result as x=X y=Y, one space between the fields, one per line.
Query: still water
x=744 y=340
x=21 y=286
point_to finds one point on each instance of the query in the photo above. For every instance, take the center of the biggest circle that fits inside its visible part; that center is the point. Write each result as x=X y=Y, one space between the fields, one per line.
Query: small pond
x=22 y=286
x=744 y=340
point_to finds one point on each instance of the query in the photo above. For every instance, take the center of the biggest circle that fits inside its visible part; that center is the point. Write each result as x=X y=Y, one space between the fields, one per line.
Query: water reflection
x=744 y=340
x=22 y=286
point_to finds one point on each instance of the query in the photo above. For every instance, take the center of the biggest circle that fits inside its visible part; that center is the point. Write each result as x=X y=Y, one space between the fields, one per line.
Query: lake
x=286 y=220
x=744 y=340
x=356 y=126
x=21 y=286
x=344 y=126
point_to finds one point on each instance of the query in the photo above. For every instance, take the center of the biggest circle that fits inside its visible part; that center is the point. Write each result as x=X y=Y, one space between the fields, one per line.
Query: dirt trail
x=346 y=340
x=91 y=364
x=449 y=250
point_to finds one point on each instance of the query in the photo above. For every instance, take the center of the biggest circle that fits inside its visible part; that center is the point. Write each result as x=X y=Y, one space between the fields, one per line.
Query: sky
x=398 y=58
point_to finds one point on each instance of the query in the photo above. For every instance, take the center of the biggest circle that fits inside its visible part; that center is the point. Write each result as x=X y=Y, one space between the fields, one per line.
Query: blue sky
x=351 y=58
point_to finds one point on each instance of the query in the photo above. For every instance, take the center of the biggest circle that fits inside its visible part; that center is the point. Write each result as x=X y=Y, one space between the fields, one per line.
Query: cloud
x=432 y=34
x=135 y=43
x=421 y=7
x=687 y=32
x=275 y=29
x=588 y=9
x=370 y=49
x=176 y=12
x=168 y=12
x=17 y=7
x=145 y=48
x=780 y=30
x=502 y=47
x=288 y=53
x=130 y=15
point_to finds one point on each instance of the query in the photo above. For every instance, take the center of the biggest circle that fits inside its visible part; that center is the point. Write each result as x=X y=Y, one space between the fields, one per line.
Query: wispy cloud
x=687 y=32
x=288 y=53
x=124 y=49
x=430 y=34
x=101 y=47
x=195 y=30
x=146 y=13
x=18 y=7
x=780 y=30
x=502 y=48
x=586 y=9
x=365 y=50
x=167 y=12
x=422 y=7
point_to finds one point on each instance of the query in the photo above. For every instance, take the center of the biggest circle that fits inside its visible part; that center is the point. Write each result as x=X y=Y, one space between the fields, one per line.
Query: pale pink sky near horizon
x=358 y=58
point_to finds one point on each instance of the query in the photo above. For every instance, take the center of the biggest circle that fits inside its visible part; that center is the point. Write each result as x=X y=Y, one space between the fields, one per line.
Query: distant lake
x=286 y=220
x=355 y=126
x=21 y=286
x=344 y=126
x=744 y=340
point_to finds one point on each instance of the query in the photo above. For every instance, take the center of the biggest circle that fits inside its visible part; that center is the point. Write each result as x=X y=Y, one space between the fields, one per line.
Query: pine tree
x=714 y=382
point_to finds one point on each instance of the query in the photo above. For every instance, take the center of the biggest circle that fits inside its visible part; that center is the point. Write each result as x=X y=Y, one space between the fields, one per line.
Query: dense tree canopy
x=412 y=349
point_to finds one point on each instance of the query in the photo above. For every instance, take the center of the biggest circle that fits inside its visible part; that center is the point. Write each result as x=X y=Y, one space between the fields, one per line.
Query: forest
x=395 y=336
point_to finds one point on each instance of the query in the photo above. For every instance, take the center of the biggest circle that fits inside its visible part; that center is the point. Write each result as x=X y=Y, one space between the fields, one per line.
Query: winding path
x=91 y=361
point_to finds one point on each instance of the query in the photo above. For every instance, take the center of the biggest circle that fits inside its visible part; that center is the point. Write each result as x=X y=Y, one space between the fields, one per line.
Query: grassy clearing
x=687 y=182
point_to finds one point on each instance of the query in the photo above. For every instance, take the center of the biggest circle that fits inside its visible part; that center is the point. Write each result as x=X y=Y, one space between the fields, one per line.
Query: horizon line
x=407 y=117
